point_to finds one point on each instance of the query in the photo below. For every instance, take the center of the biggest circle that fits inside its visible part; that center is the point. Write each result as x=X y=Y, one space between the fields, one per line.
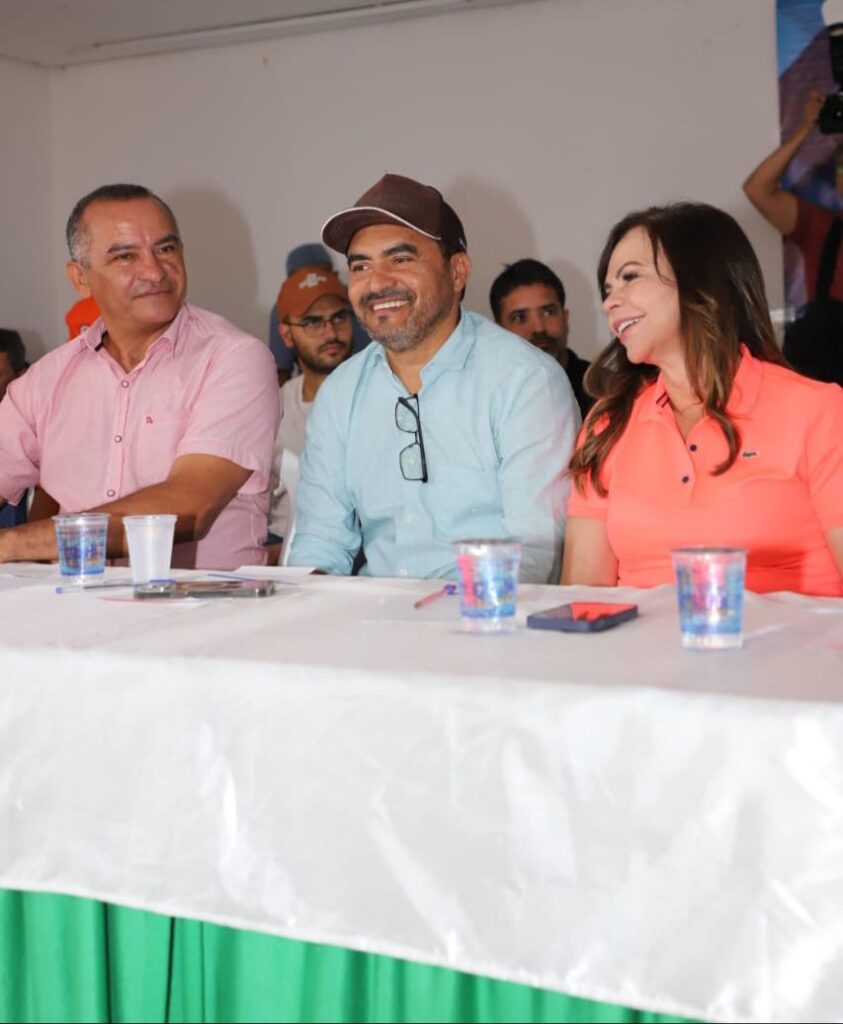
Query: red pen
x=449 y=588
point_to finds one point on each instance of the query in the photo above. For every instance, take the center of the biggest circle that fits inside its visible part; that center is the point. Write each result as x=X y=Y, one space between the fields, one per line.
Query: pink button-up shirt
x=89 y=433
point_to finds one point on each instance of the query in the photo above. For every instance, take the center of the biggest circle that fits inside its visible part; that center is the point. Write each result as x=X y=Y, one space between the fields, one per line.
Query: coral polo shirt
x=778 y=499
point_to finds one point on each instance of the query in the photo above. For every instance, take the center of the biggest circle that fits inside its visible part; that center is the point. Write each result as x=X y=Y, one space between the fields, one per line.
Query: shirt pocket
x=464 y=501
x=156 y=441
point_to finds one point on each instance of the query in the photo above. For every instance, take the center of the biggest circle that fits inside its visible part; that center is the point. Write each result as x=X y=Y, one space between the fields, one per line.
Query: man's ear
x=460 y=270
x=286 y=334
x=78 y=278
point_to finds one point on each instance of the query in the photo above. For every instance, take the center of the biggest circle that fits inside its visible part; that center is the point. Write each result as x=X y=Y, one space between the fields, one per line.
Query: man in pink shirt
x=157 y=407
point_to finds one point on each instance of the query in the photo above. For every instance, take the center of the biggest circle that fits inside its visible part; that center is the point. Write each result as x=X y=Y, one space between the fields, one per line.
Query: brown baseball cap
x=397 y=200
x=302 y=289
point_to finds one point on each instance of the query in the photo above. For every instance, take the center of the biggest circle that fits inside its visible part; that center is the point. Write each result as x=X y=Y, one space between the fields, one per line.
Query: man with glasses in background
x=448 y=428
x=315 y=322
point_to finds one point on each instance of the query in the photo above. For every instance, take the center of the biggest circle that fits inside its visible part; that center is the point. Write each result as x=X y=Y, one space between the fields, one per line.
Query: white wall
x=27 y=292
x=542 y=122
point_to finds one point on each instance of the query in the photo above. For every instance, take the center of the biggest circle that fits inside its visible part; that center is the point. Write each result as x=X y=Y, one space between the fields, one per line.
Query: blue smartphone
x=583 y=616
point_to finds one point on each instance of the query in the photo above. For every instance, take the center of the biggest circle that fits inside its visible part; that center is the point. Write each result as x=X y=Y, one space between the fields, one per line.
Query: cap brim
x=338 y=231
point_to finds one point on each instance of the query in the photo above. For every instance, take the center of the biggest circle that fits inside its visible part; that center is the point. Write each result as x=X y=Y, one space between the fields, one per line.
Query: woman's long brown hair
x=722 y=303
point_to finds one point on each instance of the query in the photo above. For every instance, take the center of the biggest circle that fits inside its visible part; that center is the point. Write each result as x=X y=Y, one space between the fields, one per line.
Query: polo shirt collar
x=744 y=394
x=746 y=385
x=92 y=336
x=175 y=329
x=455 y=352
x=453 y=355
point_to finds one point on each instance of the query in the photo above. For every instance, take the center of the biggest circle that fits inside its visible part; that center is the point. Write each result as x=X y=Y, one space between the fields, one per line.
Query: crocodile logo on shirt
x=749 y=453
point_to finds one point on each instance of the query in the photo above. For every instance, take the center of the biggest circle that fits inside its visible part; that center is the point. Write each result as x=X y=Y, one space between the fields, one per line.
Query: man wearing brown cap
x=316 y=322
x=449 y=428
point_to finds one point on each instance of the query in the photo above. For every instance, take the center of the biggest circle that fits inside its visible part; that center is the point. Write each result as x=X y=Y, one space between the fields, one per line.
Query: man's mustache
x=332 y=342
x=387 y=293
x=155 y=289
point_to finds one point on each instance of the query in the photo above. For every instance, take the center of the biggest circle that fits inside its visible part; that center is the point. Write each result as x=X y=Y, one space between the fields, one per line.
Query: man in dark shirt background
x=529 y=299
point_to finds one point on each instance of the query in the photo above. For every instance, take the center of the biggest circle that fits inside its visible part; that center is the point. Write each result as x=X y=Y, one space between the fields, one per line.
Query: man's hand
x=811 y=113
x=197 y=489
x=763 y=186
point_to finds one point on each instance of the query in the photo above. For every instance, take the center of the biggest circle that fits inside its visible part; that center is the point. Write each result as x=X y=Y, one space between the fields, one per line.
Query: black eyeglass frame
x=317 y=324
x=406 y=403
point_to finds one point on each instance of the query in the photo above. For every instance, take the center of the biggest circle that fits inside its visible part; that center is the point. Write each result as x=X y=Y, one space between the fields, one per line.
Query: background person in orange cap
x=80 y=315
x=315 y=324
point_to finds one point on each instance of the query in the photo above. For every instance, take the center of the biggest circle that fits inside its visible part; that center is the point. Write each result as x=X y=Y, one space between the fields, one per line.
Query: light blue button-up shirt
x=498 y=420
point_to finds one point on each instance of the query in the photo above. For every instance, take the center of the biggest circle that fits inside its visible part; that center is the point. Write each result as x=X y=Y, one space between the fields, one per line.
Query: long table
x=605 y=816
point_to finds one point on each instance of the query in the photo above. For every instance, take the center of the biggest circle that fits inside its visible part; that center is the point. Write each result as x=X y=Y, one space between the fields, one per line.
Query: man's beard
x=323 y=365
x=421 y=319
x=551 y=345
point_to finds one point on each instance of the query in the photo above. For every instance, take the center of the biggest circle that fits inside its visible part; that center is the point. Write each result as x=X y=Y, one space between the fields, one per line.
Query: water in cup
x=487 y=573
x=710 y=590
x=82 y=542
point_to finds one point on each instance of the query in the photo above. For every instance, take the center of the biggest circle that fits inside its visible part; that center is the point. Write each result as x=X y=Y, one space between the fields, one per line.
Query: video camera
x=831 y=115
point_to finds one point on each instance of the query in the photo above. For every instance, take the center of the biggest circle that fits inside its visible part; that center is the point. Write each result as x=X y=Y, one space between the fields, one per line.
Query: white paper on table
x=15 y=582
x=274 y=572
x=400 y=609
x=30 y=570
x=174 y=602
x=832 y=638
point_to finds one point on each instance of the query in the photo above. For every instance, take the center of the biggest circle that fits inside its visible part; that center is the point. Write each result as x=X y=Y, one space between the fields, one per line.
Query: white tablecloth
x=607 y=814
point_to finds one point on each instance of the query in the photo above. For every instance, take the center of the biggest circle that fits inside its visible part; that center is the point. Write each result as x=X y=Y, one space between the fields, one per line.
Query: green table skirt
x=69 y=959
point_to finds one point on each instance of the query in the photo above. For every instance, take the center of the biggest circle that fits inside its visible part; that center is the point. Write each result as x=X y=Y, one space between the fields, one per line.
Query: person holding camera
x=804 y=223
x=813 y=342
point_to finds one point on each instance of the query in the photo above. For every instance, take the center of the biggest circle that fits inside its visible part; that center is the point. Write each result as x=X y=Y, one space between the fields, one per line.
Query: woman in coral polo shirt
x=701 y=433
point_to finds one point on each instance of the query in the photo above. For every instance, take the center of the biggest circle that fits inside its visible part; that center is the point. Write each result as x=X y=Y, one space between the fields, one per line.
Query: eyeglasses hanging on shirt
x=412 y=458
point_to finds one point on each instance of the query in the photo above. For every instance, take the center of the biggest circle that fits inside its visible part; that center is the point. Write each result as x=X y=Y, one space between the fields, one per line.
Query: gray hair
x=76 y=233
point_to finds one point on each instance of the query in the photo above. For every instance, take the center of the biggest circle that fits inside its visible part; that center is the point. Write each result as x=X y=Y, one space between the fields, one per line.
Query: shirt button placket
x=687 y=478
x=115 y=463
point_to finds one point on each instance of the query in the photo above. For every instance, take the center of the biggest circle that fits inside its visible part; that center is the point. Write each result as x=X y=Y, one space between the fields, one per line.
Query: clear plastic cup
x=150 y=540
x=710 y=589
x=487 y=574
x=82 y=541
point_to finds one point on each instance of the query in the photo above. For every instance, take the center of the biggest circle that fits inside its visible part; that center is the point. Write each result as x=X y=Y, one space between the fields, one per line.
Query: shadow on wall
x=220 y=257
x=497 y=231
x=589 y=333
x=33 y=343
x=500 y=232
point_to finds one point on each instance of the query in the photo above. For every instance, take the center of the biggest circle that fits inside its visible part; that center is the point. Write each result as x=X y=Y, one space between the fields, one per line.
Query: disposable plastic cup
x=82 y=541
x=710 y=589
x=487 y=574
x=150 y=540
